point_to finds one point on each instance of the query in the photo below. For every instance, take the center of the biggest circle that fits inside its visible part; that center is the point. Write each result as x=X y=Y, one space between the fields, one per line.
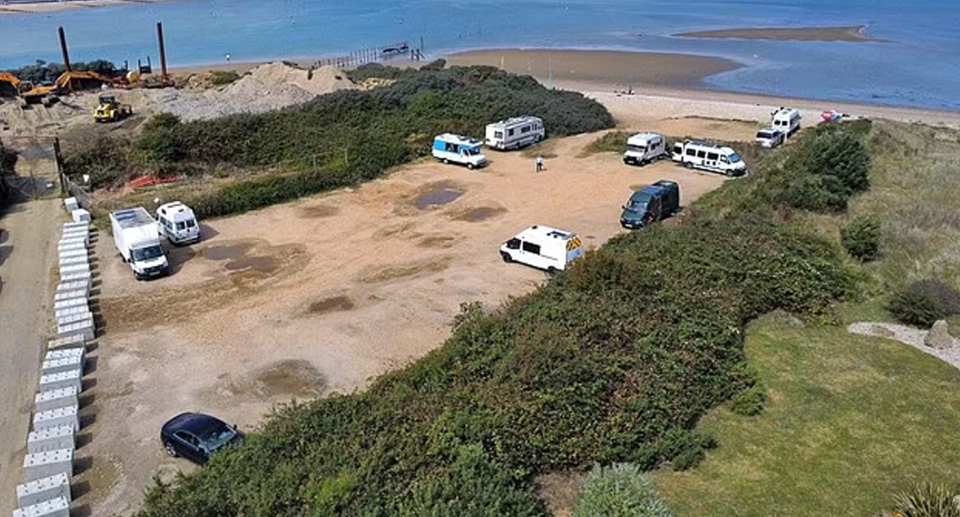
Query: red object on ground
x=149 y=181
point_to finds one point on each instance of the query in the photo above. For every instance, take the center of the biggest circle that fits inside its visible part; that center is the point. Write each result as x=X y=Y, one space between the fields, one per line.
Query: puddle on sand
x=437 y=197
x=225 y=252
x=336 y=303
x=290 y=377
x=261 y=264
x=481 y=213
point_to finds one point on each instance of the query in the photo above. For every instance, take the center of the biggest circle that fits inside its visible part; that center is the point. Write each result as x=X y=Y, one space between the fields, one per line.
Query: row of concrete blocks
x=48 y=465
x=71 y=303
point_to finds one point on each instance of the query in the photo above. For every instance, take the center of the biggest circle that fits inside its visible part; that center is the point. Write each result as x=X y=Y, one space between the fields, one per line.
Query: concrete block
x=84 y=328
x=69 y=303
x=53 y=399
x=56 y=381
x=73 y=268
x=78 y=276
x=82 y=224
x=70 y=295
x=71 y=204
x=78 y=285
x=73 y=253
x=67 y=352
x=61 y=416
x=52 y=439
x=73 y=315
x=72 y=261
x=77 y=245
x=59 y=507
x=80 y=216
x=44 y=489
x=62 y=364
x=66 y=343
x=71 y=238
x=50 y=463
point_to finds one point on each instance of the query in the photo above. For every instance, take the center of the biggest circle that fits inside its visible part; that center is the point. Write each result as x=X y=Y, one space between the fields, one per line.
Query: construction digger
x=110 y=110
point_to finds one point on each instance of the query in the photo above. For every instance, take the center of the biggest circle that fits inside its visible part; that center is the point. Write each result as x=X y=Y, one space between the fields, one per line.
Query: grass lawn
x=850 y=421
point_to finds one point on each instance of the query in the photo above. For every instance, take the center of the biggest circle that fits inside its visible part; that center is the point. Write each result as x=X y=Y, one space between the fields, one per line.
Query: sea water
x=918 y=65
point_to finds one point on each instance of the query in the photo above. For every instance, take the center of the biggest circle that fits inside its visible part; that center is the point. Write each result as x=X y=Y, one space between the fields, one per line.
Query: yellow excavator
x=110 y=110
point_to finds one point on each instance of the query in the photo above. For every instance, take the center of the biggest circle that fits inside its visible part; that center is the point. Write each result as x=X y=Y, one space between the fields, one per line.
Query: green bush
x=927 y=500
x=861 y=238
x=749 y=402
x=612 y=142
x=107 y=162
x=924 y=302
x=621 y=490
x=615 y=360
x=222 y=77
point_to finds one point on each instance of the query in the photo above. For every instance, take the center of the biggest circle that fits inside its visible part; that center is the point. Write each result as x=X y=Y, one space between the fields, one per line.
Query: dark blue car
x=197 y=437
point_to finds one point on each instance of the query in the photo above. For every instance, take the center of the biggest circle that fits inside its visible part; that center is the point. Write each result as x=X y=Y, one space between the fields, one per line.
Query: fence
x=374 y=55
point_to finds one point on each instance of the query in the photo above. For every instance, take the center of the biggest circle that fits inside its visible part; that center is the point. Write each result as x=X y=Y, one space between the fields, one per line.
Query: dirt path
x=27 y=259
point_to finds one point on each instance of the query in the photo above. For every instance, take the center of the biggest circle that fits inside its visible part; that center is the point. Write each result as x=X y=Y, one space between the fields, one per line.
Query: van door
x=530 y=254
x=712 y=160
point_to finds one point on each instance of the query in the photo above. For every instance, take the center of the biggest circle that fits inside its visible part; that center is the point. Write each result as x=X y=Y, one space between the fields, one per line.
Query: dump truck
x=111 y=110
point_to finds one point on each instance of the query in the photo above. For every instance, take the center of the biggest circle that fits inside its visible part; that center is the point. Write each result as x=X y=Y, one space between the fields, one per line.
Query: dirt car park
x=324 y=294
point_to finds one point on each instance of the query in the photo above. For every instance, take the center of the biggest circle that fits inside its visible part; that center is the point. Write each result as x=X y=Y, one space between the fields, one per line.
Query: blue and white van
x=177 y=222
x=450 y=148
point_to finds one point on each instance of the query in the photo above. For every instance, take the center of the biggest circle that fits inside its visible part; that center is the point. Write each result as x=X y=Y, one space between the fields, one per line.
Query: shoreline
x=608 y=80
x=67 y=5
x=853 y=34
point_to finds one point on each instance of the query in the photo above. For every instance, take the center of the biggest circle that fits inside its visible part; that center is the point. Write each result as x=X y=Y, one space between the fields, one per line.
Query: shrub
x=838 y=153
x=106 y=161
x=749 y=402
x=621 y=490
x=927 y=500
x=861 y=238
x=612 y=142
x=222 y=77
x=924 y=302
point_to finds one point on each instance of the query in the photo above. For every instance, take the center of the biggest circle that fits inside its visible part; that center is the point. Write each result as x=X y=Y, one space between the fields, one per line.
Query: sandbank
x=852 y=34
x=54 y=6
x=627 y=69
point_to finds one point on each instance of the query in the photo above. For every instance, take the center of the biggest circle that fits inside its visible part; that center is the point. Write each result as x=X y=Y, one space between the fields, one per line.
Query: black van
x=650 y=204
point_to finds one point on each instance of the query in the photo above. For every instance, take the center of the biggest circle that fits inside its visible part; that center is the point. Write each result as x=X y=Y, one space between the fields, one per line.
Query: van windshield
x=148 y=253
x=734 y=158
x=637 y=148
x=764 y=134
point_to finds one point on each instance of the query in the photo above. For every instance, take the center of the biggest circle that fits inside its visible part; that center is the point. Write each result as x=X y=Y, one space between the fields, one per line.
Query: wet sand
x=853 y=34
x=627 y=69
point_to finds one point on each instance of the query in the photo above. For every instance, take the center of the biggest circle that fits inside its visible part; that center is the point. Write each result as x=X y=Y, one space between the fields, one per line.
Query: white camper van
x=449 y=148
x=787 y=120
x=514 y=133
x=709 y=157
x=136 y=237
x=643 y=148
x=543 y=247
x=770 y=137
x=178 y=223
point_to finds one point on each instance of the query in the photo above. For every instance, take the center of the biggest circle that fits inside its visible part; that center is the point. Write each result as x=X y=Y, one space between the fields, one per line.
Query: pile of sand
x=319 y=81
x=266 y=88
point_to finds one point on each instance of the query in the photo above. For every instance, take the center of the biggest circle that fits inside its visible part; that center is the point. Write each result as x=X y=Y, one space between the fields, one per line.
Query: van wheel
x=688 y=165
x=506 y=257
x=470 y=166
x=552 y=271
x=446 y=161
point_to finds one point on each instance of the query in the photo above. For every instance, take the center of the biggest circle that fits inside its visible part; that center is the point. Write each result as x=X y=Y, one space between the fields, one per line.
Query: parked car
x=770 y=137
x=197 y=437
x=651 y=204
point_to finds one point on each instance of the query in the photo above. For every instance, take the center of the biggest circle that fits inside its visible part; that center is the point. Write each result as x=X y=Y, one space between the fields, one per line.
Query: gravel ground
x=908 y=336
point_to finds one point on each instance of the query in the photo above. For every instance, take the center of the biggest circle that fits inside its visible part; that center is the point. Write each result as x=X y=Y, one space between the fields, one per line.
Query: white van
x=449 y=148
x=543 y=247
x=177 y=222
x=515 y=133
x=770 y=137
x=787 y=120
x=709 y=157
x=643 y=148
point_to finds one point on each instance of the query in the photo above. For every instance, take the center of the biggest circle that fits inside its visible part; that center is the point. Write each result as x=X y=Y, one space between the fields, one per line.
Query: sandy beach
x=852 y=34
x=50 y=7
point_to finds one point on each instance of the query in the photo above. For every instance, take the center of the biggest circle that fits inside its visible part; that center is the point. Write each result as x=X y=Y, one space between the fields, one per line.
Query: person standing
x=539 y=163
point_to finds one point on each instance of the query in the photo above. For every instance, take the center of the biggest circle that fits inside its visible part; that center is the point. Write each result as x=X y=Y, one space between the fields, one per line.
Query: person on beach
x=539 y=163
x=228 y=57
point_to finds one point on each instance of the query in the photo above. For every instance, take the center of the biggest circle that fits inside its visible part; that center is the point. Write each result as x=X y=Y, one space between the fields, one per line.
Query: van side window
x=510 y=132
x=513 y=244
x=181 y=226
x=531 y=247
x=525 y=129
x=712 y=156
x=691 y=152
x=498 y=134
x=701 y=154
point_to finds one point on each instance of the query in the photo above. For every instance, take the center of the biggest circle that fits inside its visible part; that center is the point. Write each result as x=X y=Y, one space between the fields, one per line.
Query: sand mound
x=319 y=81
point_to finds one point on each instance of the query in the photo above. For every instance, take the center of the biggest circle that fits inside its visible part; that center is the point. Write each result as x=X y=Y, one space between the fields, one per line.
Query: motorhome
x=138 y=241
x=651 y=204
x=462 y=150
x=709 y=157
x=515 y=133
x=787 y=120
x=770 y=137
x=543 y=247
x=177 y=222
x=643 y=148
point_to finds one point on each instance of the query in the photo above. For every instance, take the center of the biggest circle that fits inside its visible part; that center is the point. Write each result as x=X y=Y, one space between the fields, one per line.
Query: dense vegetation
x=621 y=490
x=41 y=71
x=924 y=302
x=613 y=361
x=340 y=138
